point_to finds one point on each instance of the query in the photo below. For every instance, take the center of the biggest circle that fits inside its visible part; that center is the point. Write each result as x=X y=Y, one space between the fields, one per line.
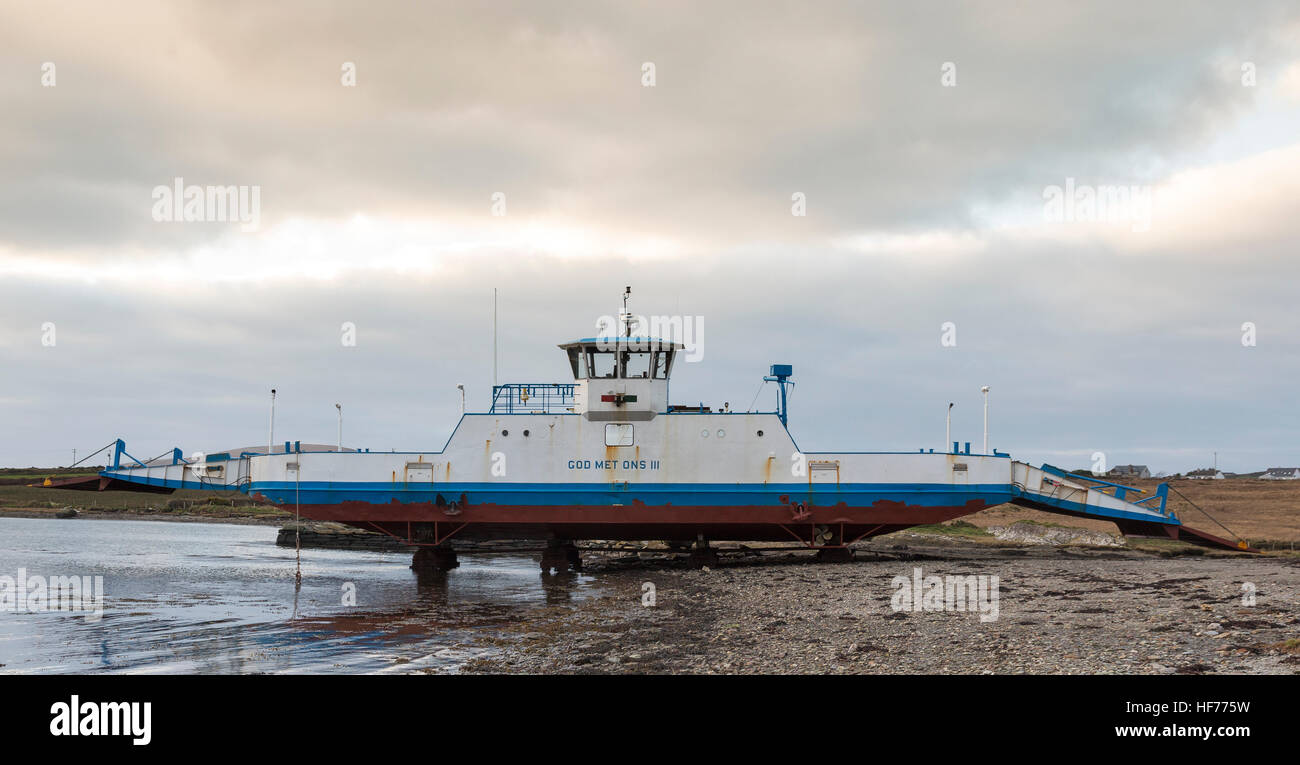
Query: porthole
x=760 y=434
x=505 y=432
x=704 y=433
x=722 y=433
x=525 y=433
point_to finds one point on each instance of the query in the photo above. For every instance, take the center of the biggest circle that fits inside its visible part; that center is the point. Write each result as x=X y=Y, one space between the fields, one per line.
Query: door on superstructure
x=418 y=475
x=823 y=482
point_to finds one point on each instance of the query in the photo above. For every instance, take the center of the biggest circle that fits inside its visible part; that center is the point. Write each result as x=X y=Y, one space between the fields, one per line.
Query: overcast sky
x=658 y=145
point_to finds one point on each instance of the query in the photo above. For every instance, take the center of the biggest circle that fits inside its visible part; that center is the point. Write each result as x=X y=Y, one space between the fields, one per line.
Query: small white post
x=340 y=408
x=461 y=387
x=985 y=391
x=947 y=431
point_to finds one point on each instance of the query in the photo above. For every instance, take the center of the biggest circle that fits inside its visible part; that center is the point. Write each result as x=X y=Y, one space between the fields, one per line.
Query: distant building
x=1129 y=471
x=1205 y=473
x=1281 y=474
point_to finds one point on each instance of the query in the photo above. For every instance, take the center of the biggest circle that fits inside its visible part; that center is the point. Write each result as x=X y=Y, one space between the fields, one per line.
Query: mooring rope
x=1239 y=537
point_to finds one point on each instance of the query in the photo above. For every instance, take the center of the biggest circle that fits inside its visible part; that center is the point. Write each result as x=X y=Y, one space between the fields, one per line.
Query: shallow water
x=220 y=598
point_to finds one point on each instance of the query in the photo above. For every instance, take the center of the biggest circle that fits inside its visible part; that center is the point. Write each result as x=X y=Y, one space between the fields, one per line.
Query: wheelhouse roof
x=634 y=343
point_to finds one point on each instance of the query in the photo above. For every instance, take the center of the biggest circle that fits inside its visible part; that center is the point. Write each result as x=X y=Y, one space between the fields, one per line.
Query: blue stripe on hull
x=602 y=494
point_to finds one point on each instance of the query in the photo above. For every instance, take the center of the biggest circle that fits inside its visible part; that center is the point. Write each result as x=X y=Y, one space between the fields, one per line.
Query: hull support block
x=561 y=555
x=434 y=558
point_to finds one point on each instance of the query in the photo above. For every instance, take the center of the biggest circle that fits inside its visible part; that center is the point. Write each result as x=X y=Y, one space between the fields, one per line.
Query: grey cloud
x=841 y=101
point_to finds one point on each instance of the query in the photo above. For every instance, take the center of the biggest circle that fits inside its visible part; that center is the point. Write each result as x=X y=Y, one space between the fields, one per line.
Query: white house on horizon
x=1280 y=474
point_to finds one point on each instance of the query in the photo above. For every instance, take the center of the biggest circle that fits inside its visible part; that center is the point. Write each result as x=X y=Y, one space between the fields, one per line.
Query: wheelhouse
x=621 y=358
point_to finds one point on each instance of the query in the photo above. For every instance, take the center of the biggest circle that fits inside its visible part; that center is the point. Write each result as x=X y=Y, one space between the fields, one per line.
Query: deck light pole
x=340 y=408
x=494 y=341
x=270 y=434
x=947 y=431
x=985 y=391
x=461 y=387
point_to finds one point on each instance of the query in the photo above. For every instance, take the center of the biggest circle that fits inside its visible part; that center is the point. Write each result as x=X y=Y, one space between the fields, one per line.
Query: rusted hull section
x=428 y=523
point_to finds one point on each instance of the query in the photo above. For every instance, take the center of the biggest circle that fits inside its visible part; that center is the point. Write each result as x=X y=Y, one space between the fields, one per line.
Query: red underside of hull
x=635 y=521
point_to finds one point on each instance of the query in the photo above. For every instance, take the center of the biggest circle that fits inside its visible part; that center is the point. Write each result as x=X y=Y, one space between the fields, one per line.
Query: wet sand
x=127 y=515
x=185 y=598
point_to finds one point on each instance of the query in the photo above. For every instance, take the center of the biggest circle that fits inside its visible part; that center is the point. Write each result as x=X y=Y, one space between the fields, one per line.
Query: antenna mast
x=627 y=317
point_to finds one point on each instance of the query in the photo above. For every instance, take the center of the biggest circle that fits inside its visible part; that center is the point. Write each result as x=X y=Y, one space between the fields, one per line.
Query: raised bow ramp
x=1054 y=490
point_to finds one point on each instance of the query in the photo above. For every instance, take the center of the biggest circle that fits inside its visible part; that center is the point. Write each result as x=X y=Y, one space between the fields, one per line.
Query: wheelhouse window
x=601 y=364
x=635 y=364
x=663 y=364
x=578 y=363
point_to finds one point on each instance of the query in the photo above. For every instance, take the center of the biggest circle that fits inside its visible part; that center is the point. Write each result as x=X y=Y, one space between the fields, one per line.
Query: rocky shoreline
x=1061 y=610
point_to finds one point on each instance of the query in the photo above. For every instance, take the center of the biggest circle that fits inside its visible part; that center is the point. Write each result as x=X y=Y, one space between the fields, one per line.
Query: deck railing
x=537 y=398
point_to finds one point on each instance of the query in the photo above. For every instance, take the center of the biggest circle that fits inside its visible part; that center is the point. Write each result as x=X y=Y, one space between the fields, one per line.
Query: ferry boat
x=607 y=456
